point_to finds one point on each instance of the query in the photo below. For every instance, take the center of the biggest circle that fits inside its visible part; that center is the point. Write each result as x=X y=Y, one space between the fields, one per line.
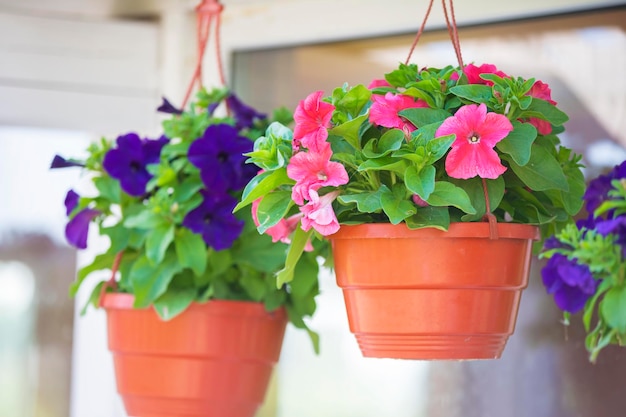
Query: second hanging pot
x=213 y=360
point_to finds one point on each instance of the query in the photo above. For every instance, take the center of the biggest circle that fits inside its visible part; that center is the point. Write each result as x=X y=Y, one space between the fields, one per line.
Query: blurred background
x=72 y=71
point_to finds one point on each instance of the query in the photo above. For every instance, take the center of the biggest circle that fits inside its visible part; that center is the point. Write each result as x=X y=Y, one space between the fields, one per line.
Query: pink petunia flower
x=312 y=171
x=473 y=73
x=319 y=214
x=419 y=201
x=312 y=119
x=542 y=91
x=385 y=109
x=378 y=83
x=281 y=231
x=477 y=132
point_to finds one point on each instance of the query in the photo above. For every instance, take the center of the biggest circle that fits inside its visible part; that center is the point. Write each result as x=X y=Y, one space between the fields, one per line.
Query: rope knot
x=209 y=7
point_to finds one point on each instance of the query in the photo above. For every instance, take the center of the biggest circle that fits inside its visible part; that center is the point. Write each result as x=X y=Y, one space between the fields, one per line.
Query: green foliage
x=396 y=163
x=598 y=244
x=166 y=265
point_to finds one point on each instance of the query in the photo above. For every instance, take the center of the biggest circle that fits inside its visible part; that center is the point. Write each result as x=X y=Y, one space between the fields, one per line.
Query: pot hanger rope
x=454 y=38
x=207 y=12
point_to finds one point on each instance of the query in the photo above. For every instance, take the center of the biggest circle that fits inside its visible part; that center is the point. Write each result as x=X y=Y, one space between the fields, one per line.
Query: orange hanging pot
x=213 y=360
x=430 y=294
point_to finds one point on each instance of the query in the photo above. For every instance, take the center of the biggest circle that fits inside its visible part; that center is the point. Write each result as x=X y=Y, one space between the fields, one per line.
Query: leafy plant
x=586 y=265
x=424 y=147
x=166 y=207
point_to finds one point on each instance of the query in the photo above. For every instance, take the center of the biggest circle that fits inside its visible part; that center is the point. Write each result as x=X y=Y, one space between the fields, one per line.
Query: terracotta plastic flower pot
x=213 y=360
x=429 y=294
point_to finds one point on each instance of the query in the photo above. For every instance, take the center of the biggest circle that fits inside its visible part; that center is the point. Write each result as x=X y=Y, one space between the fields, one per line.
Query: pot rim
x=125 y=301
x=479 y=230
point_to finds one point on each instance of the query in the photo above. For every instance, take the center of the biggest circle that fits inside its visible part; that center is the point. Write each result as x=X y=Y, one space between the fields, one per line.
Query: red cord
x=206 y=11
x=419 y=33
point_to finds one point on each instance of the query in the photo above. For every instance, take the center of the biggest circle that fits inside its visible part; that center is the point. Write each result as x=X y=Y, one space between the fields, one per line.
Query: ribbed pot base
x=159 y=407
x=431 y=347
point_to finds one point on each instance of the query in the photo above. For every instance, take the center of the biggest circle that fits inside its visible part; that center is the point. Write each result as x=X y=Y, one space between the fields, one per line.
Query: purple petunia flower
x=553 y=243
x=167 y=107
x=77 y=228
x=571 y=283
x=598 y=189
x=244 y=114
x=218 y=156
x=127 y=163
x=60 y=162
x=214 y=220
x=71 y=201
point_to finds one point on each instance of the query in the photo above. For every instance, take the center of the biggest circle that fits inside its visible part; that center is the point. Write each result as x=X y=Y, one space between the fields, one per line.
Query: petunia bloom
x=598 y=189
x=571 y=283
x=378 y=83
x=167 y=107
x=312 y=171
x=218 y=156
x=127 y=163
x=71 y=201
x=214 y=220
x=60 y=162
x=473 y=73
x=77 y=229
x=477 y=132
x=312 y=119
x=542 y=91
x=319 y=214
x=280 y=232
x=385 y=109
x=244 y=114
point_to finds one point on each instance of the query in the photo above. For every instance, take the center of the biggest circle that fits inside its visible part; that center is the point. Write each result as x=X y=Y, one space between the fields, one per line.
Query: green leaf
x=256 y=251
x=447 y=194
x=272 y=208
x=298 y=242
x=354 y=100
x=262 y=184
x=420 y=116
x=366 y=202
x=306 y=282
x=109 y=188
x=144 y=220
x=296 y=319
x=255 y=286
x=100 y=262
x=390 y=141
x=385 y=163
x=158 y=241
x=186 y=189
x=519 y=142
x=437 y=217
x=474 y=92
x=191 y=250
x=573 y=199
x=613 y=308
x=542 y=172
x=174 y=302
x=150 y=281
x=118 y=235
x=395 y=206
x=546 y=111
x=474 y=189
x=420 y=182
x=437 y=147
x=350 y=131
